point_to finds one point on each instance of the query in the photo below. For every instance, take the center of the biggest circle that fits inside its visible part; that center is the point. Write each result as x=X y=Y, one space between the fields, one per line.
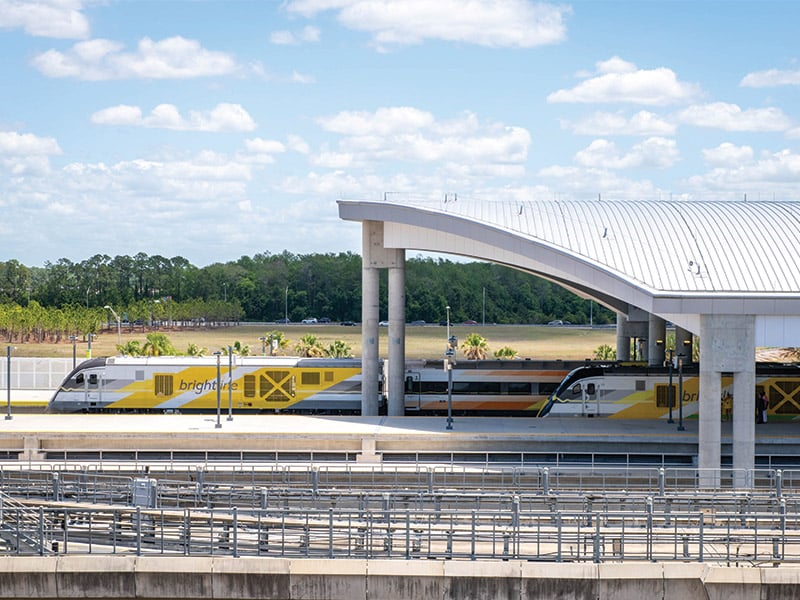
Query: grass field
x=530 y=341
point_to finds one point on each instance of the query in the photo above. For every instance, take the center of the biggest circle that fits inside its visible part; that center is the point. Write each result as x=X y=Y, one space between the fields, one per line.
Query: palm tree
x=506 y=352
x=309 y=346
x=158 y=344
x=282 y=341
x=238 y=348
x=131 y=348
x=339 y=349
x=475 y=347
x=195 y=350
x=605 y=352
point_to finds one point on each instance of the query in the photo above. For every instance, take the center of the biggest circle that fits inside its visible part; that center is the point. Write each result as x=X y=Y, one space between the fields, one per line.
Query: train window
x=476 y=387
x=249 y=386
x=433 y=387
x=640 y=385
x=79 y=378
x=139 y=375
x=519 y=388
x=590 y=388
x=163 y=385
x=545 y=389
x=410 y=385
x=92 y=378
x=310 y=379
x=576 y=389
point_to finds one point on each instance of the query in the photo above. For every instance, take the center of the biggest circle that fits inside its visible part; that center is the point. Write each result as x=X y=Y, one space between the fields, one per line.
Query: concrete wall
x=150 y=577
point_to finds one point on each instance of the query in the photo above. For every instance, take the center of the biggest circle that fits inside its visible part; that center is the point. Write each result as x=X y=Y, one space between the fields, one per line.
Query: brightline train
x=628 y=391
x=257 y=384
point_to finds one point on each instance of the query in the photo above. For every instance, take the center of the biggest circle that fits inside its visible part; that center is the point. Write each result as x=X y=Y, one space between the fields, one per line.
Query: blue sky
x=214 y=130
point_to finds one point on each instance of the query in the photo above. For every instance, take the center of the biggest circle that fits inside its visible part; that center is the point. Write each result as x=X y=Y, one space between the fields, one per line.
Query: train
x=273 y=384
x=636 y=391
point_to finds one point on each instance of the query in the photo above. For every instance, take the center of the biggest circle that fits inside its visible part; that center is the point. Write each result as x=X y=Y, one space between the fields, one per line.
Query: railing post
x=778 y=483
x=235 y=511
x=596 y=545
x=649 y=508
x=661 y=482
x=546 y=481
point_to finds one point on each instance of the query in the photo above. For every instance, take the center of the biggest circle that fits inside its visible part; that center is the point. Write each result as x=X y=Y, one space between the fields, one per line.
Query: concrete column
x=623 y=341
x=683 y=343
x=728 y=345
x=369 y=341
x=656 y=330
x=744 y=427
x=397 y=336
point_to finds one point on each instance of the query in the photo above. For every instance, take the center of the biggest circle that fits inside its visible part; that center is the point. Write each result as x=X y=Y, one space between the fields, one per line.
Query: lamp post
x=230 y=383
x=116 y=316
x=680 y=393
x=219 y=424
x=263 y=340
x=89 y=338
x=452 y=344
x=74 y=340
x=286 y=305
x=8 y=382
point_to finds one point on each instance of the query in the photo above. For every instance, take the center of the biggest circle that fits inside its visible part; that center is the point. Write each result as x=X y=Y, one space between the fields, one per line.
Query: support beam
x=369 y=341
x=397 y=336
x=657 y=331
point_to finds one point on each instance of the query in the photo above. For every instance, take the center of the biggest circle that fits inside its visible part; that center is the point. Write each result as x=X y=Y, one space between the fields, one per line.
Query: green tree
x=339 y=349
x=158 y=344
x=282 y=342
x=475 y=347
x=506 y=352
x=605 y=352
x=130 y=348
x=195 y=350
x=309 y=346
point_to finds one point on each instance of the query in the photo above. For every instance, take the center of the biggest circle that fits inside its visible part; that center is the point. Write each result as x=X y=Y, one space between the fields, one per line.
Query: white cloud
x=171 y=58
x=262 y=146
x=308 y=35
x=384 y=121
x=298 y=144
x=655 y=152
x=604 y=123
x=27 y=144
x=45 y=18
x=499 y=23
x=460 y=146
x=301 y=78
x=775 y=173
x=223 y=117
x=617 y=80
x=770 y=78
x=729 y=117
x=728 y=154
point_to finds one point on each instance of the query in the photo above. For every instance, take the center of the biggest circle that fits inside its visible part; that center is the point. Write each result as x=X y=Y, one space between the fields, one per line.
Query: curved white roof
x=667 y=257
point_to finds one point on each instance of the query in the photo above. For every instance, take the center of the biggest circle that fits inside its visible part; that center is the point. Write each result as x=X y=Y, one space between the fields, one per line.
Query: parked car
x=324 y=320
x=309 y=321
x=383 y=324
x=348 y=323
x=420 y=322
x=556 y=322
x=282 y=321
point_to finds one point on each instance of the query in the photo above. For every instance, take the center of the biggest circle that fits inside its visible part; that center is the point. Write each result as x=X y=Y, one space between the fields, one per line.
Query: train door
x=92 y=388
x=413 y=391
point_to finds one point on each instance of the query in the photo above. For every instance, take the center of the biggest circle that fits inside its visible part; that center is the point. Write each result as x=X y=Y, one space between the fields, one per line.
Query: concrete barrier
x=178 y=578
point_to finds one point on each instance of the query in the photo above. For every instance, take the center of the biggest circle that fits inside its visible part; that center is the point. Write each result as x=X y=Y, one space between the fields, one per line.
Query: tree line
x=267 y=287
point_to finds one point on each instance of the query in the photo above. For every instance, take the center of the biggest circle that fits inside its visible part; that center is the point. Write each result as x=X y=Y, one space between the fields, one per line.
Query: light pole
x=219 y=424
x=74 y=340
x=116 y=316
x=89 y=338
x=8 y=382
x=230 y=383
x=452 y=344
x=263 y=340
x=680 y=393
x=447 y=308
x=286 y=305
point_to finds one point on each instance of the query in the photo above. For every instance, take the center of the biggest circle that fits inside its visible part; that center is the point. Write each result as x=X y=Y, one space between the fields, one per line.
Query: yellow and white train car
x=642 y=392
x=195 y=384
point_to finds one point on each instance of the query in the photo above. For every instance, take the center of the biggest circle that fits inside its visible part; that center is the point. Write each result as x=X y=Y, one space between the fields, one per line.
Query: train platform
x=376 y=439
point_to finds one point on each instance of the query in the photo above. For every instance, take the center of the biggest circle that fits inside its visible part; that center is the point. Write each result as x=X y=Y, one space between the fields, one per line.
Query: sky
x=213 y=130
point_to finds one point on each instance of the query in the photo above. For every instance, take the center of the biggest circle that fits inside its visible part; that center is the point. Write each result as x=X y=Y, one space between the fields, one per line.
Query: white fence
x=34 y=373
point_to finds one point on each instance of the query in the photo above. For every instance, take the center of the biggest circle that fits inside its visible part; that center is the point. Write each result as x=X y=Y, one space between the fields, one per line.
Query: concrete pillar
x=728 y=345
x=656 y=331
x=397 y=336
x=683 y=343
x=369 y=341
x=623 y=341
x=744 y=427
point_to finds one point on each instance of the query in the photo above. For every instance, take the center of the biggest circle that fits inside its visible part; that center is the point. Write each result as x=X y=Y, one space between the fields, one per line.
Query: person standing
x=763 y=405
